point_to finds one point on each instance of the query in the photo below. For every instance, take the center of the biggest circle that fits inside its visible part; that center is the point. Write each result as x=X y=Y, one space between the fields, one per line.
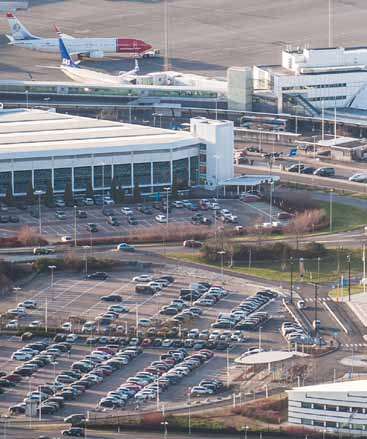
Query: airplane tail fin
x=66 y=59
x=18 y=31
x=137 y=68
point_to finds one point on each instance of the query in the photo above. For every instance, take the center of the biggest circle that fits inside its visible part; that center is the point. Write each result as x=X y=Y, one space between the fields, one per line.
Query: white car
x=66 y=238
x=12 y=324
x=71 y=338
x=226 y=213
x=161 y=218
x=178 y=204
x=143 y=278
x=118 y=308
x=88 y=201
x=31 y=304
x=233 y=218
x=21 y=356
x=108 y=200
x=201 y=390
x=214 y=206
x=67 y=326
x=126 y=211
x=360 y=178
x=186 y=203
x=144 y=322
x=35 y=324
x=252 y=351
x=156 y=285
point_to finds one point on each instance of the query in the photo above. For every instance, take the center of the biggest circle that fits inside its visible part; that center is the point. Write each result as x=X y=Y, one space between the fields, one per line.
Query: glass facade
x=5 y=181
x=161 y=172
x=41 y=178
x=194 y=171
x=21 y=181
x=123 y=174
x=141 y=173
x=150 y=175
x=102 y=176
x=181 y=172
x=202 y=163
x=62 y=176
x=82 y=175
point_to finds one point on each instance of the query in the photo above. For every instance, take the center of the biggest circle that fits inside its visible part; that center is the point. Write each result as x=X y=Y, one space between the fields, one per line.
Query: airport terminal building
x=42 y=146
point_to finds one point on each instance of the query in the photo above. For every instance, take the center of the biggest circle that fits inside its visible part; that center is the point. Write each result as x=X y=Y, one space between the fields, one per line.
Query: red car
x=249 y=197
x=106 y=350
x=146 y=342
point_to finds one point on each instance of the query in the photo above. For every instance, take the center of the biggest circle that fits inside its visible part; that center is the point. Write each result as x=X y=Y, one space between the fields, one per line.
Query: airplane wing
x=67 y=37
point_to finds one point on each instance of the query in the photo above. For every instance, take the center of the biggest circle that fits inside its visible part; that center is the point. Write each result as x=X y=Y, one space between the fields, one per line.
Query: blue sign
x=157 y=196
x=343 y=282
x=293 y=152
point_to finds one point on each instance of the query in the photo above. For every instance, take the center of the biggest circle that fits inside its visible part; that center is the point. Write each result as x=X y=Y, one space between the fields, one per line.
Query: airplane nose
x=146 y=46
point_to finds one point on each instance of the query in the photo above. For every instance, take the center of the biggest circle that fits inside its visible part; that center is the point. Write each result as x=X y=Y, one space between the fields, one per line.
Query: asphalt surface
x=204 y=37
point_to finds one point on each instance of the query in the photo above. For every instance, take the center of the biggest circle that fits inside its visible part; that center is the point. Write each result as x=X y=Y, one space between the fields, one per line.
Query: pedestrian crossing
x=320 y=299
x=351 y=346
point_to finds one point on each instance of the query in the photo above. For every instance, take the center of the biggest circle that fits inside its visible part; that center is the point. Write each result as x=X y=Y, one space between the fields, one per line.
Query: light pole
x=316 y=297
x=26 y=99
x=86 y=248
x=291 y=262
x=217 y=157
x=52 y=268
x=165 y=423
x=331 y=210
x=348 y=260
x=318 y=269
x=75 y=226
x=271 y=201
x=246 y=428
x=221 y=253
x=39 y=193
x=16 y=289
x=260 y=329
x=166 y=189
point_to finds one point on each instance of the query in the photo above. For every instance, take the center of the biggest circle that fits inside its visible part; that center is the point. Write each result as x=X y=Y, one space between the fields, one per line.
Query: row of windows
x=185 y=172
x=305 y=87
x=332 y=408
x=328 y=98
x=332 y=424
x=109 y=91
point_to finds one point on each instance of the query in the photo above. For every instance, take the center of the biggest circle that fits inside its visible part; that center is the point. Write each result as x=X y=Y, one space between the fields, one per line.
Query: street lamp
x=167 y=190
x=165 y=423
x=221 y=253
x=245 y=429
x=39 y=193
x=291 y=262
x=348 y=260
x=318 y=269
x=86 y=248
x=331 y=210
x=260 y=329
x=217 y=157
x=75 y=226
x=52 y=268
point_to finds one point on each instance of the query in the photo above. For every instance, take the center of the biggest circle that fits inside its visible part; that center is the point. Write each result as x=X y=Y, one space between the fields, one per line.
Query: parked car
x=124 y=247
x=191 y=243
x=161 y=218
x=98 y=275
x=325 y=172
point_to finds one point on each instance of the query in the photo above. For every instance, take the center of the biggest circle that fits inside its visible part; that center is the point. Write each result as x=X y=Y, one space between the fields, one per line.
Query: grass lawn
x=332 y=266
x=338 y=292
x=345 y=217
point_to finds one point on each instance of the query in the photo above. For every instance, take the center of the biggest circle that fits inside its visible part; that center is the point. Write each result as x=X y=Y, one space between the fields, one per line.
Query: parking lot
x=74 y=295
x=54 y=228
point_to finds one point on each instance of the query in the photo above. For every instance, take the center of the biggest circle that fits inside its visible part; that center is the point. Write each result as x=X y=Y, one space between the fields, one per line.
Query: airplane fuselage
x=86 y=76
x=85 y=45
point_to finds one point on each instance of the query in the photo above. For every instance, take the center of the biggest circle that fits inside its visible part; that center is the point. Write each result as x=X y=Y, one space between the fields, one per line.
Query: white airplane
x=91 y=47
x=86 y=76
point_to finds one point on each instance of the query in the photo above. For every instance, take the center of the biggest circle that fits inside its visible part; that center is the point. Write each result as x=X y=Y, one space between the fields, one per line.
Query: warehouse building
x=41 y=146
x=336 y=407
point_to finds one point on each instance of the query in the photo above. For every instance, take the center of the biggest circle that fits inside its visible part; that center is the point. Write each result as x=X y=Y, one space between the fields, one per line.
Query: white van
x=88 y=327
x=301 y=304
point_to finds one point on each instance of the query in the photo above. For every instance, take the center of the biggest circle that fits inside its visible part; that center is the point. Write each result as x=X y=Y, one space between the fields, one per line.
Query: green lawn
x=331 y=266
x=345 y=217
x=338 y=292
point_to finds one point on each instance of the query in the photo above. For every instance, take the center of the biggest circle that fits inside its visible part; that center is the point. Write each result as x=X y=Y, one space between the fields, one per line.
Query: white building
x=42 y=147
x=325 y=76
x=335 y=407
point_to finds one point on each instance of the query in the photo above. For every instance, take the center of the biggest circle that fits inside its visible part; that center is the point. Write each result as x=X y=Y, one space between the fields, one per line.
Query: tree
x=136 y=193
x=89 y=189
x=49 y=195
x=30 y=194
x=68 y=195
x=174 y=189
x=9 y=197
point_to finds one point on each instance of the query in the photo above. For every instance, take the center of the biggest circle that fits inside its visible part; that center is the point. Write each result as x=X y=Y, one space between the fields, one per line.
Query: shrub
x=28 y=236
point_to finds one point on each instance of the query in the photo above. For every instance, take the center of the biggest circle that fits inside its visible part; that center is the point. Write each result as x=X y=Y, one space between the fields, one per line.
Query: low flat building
x=41 y=147
x=336 y=407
